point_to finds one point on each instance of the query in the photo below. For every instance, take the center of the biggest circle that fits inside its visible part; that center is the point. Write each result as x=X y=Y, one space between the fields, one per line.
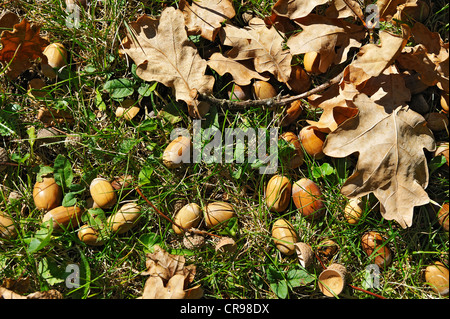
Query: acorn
x=90 y=236
x=284 y=236
x=299 y=81
x=353 y=210
x=177 y=152
x=7 y=227
x=437 y=277
x=327 y=248
x=47 y=194
x=263 y=90
x=128 y=109
x=437 y=121
x=125 y=218
x=103 y=193
x=290 y=114
x=312 y=141
x=56 y=58
x=444 y=101
x=316 y=63
x=307 y=197
x=442 y=216
x=217 y=213
x=238 y=92
x=64 y=217
x=3 y=159
x=296 y=159
x=278 y=193
x=187 y=217
x=374 y=246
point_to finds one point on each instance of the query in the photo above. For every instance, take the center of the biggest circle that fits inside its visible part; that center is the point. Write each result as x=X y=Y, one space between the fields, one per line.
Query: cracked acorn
x=7 y=227
x=177 y=152
x=312 y=141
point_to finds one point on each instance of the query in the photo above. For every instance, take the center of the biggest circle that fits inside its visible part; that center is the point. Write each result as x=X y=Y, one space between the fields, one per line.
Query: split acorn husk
x=47 y=194
x=307 y=197
x=103 y=193
x=353 y=210
x=278 y=193
x=217 y=213
x=375 y=247
x=187 y=217
x=57 y=56
x=284 y=236
x=177 y=152
x=332 y=280
x=437 y=276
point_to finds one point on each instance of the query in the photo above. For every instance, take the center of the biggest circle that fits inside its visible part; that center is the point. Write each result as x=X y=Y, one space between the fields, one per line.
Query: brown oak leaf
x=391 y=160
x=262 y=45
x=343 y=9
x=295 y=9
x=21 y=47
x=326 y=36
x=163 y=52
x=204 y=17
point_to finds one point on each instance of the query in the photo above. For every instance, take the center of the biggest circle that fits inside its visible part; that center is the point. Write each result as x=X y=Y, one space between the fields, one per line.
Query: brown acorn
x=217 y=213
x=374 y=246
x=307 y=197
x=177 y=152
x=437 y=276
x=442 y=216
x=7 y=227
x=278 y=193
x=299 y=81
x=103 y=193
x=90 y=236
x=47 y=194
x=64 y=217
x=125 y=218
x=263 y=90
x=437 y=121
x=296 y=157
x=187 y=217
x=312 y=141
x=290 y=114
x=284 y=236
x=128 y=109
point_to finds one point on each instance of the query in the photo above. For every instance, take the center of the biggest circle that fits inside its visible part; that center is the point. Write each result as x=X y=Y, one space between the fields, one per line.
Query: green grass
x=111 y=147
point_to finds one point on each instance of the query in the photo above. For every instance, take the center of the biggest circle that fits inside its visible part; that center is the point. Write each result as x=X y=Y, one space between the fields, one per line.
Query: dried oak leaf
x=163 y=52
x=169 y=277
x=387 y=8
x=373 y=59
x=391 y=160
x=21 y=47
x=262 y=45
x=205 y=17
x=295 y=9
x=326 y=36
x=343 y=9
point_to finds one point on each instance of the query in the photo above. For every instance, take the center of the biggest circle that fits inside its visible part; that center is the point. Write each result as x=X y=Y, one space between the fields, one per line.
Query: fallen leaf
x=326 y=36
x=391 y=160
x=241 y=72
x=163 y=52
x=204 y=17
x=387 y=8
x=50 y=294
x=262 y=45
x=169 y=277
x=295 y=9
x=21 y=47
x=344 y=9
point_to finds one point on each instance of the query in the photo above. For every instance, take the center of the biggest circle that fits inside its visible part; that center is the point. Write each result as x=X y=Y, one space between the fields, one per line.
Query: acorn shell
x=284 y=236
x=374 y=246
x=278 y=193
x=437 y=276
x=103 y=193
x=307 y=197
x=263 y=90
x=291 y=113
x=187 y=217
x=56 y=55
x=299 y=80
x=64 y=217
x=177 y=152
x=312 y=141
x=128 y=109
x=217 y=213
x=125 y=218
x=353 y=210
x=7 y=227
x=47 y=194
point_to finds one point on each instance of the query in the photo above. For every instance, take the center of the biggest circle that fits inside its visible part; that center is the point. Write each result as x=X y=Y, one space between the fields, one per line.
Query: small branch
x=271 y=102
x=191 y=230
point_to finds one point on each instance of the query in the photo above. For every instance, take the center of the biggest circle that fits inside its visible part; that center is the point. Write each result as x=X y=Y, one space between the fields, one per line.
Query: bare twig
x=271 y=102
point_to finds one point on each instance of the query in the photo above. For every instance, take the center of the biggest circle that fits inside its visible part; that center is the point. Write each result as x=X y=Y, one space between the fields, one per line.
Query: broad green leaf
x=149 y=240
x=145 y=175
x=41 y=237
x=62 y=172
x=119 y=88
x=50 y=272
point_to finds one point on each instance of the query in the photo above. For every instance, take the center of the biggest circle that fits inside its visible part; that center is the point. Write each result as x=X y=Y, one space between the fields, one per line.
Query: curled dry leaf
x=163 y=52
x=262 y=45
x=50 y=294
x=21 y=47
x=343 y=9
x=169 y=277
x=204 y=17
x=391 y=160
